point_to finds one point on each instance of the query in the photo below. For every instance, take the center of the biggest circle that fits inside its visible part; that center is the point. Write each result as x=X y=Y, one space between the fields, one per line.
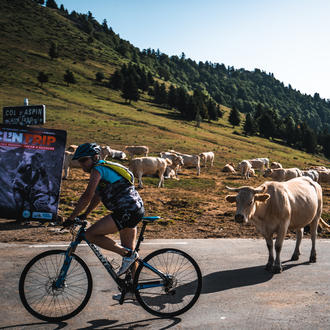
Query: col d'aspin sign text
x=24 y=115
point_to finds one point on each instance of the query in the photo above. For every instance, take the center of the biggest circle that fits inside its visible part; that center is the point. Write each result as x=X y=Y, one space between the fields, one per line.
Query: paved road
x=237 y=292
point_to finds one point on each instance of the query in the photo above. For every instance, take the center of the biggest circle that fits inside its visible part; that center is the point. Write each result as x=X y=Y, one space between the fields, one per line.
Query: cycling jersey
x=117 y=193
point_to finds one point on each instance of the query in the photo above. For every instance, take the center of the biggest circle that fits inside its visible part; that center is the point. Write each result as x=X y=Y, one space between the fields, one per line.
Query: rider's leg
x=96 y=234
x=128 y=238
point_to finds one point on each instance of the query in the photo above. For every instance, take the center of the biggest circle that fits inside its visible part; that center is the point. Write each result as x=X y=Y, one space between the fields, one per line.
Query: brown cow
x=275 y=207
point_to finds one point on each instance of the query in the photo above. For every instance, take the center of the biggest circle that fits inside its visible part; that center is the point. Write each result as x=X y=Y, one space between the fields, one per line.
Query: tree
x=171 y=97
x=40 y=2
x=249 y=127
x=69 y=77
x=99 y=76
x=116 y=81
x=130 y=90
x=266 y=125
x=53 y=51
x=42 y=77
x=51 y=4
x=234 y=117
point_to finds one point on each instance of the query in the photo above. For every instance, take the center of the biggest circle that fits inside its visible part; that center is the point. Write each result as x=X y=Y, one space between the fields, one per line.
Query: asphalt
x=237 y=292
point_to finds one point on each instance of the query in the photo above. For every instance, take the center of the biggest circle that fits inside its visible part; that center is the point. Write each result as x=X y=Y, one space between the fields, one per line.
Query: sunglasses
x=83 y=159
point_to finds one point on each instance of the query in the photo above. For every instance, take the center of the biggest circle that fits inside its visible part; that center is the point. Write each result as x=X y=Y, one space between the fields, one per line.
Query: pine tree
x=42 y=77
x=266 y=125
x=53 y=51
x=99 y=76
x=51 y=4
x=69 y=77
x=116 y=81
x=249 y=126
x=234 y=117
x=130 y=90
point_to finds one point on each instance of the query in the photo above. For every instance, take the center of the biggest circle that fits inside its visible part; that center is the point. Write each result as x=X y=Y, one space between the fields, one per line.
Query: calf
x=207 y=157
x=189 y=160
x=69 y=163
x=275 y=207
x=245 y=167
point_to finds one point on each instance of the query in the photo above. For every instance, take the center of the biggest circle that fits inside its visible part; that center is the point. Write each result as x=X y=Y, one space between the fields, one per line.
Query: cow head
x=268 y=172
x=246 y=201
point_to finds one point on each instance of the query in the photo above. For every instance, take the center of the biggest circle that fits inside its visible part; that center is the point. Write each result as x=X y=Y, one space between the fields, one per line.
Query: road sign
x=24 y=115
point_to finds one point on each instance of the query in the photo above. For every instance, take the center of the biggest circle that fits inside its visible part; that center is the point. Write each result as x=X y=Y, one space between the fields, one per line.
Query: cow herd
x=291 y=199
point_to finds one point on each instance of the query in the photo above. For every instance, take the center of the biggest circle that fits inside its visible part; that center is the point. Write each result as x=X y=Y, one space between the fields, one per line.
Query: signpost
x=24 y=115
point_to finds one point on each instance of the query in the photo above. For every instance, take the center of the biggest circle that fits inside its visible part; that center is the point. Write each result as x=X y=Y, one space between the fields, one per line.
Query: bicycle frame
x=122 y=283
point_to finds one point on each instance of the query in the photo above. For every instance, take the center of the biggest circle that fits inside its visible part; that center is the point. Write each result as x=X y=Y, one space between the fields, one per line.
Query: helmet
x=87 y=150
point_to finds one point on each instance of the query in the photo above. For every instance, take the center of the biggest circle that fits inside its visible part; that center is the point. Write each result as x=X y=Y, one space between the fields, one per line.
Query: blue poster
x=31 y=161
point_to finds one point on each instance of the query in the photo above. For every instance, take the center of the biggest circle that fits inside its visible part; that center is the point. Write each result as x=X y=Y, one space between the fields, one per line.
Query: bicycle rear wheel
x=39 y=294
x=174 y=295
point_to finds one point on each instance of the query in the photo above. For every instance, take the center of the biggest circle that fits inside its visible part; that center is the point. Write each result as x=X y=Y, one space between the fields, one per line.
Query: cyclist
x=115 y=188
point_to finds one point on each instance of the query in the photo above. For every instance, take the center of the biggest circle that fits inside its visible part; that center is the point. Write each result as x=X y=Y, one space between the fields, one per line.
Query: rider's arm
x=93 y=203
x=88 y=195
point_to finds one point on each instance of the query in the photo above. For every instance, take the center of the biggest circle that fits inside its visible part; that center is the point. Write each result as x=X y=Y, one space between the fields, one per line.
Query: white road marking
x=84 y=244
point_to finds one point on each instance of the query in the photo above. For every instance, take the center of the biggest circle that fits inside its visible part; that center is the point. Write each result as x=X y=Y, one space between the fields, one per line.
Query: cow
x=228 y=168
x=207 y=157
x=324 y=176
x=149 y=166
x=282 y=174
x=172 y=170
x=274 y=165
x=106 y=151
x=259 y=163
x=245 y=168
x=72 y=147
x=69 y=163
x=275 y=207
x=313 y=174
x=137 y=151
x=189 y=160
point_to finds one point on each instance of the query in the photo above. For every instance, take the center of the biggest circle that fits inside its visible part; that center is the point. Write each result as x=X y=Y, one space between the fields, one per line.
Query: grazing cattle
x=257 y=164
x=69 y=163
x=137 y=151
x=275 y=207
x=252 y=173
x=313 y=174
x=149 y=166
x=324 y=176
x=228 y=168
x=172 y=170
x=189 y=160
x=207 y=157
x=283 y=174
x=115 y=154
x=274 y=165
x=245 y=168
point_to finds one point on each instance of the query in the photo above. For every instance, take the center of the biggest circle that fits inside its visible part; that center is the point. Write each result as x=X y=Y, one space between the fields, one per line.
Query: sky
x=289 y=38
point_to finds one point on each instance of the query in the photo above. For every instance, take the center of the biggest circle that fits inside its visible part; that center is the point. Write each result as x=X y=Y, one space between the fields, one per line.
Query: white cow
x=283 y=174
x=313 y=174
x=189 y=160
x=149 y=166
x=274 y=165
x=137 y=150
x=106 y=151
x=172 y=170
x=275 y=207
x=207 y=157
x=72 y=147
x=324 y=176
x=245 y=168
x=229 y=168
x=69 y=163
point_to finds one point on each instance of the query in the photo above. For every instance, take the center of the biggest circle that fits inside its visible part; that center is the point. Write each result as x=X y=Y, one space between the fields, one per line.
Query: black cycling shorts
x=127 y=219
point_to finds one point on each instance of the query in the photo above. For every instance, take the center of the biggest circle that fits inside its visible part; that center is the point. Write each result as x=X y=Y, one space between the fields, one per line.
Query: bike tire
x=38 y=294
x=176 y=298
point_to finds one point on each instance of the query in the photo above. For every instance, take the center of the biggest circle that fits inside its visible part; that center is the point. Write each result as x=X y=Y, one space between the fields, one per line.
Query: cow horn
x=233 y=189
x=260 y=189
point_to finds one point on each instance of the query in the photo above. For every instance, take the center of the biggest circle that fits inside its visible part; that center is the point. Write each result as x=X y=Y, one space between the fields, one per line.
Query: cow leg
x=66 y=172
x=161 y=181
x=140 y=181
x=278 y=248
x=313 y=228
x=299 y=236
x=270 y=263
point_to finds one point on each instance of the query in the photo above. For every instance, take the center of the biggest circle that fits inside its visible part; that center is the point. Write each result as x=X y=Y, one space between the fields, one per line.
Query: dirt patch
x=194 y=210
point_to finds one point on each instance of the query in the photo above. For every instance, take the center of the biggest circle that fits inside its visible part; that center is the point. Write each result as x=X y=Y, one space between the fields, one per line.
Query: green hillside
x=89 y=110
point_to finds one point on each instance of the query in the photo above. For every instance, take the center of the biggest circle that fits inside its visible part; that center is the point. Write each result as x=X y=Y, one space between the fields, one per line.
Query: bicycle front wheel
x=177 y=291
x=43 y=299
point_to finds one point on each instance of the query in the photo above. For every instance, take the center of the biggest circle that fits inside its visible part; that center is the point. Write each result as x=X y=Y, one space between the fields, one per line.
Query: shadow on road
x=113 y=324
x=229 y=279
x=60 y=325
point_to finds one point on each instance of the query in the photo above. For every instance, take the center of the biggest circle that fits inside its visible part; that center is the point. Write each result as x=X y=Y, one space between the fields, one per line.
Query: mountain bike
x=57 y=284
